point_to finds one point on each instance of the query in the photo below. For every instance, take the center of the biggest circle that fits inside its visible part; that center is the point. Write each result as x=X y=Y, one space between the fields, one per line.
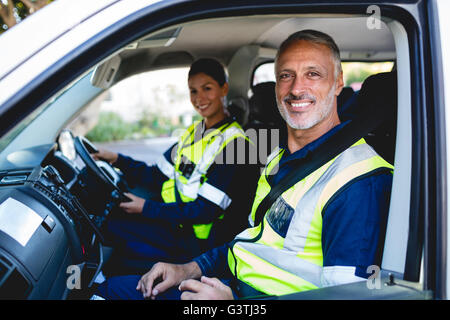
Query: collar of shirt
x=201 y=129
x=285 y=164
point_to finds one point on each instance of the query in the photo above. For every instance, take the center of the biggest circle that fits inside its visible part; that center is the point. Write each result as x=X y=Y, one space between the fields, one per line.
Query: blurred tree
x=14 y=11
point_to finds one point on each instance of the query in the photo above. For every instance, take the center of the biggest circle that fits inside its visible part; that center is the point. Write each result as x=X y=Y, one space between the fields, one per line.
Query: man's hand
x=105 y=155
x=206 y=289
x=169 y=275
x=136 y=205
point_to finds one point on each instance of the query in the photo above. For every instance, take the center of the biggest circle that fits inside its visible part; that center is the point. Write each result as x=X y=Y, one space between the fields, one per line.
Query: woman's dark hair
x=210 y=67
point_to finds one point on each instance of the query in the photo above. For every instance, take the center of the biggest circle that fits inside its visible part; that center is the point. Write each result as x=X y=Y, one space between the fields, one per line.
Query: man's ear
x=339 y=83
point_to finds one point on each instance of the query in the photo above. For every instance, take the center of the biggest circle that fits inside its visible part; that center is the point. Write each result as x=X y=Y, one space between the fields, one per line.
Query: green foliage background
x=111 y=127
x=21 y=12
x=356 y=72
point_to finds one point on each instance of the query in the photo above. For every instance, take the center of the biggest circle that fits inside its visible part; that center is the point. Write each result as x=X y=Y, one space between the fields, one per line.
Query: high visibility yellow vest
x=201 y=155
x=277 y=259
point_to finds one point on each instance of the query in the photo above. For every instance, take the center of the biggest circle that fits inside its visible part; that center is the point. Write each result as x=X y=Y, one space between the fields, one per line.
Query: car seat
x=377 y=99
x=238 y=109
x=378 y=94
x=263 y=110
x=344 y=97
x=265 y=125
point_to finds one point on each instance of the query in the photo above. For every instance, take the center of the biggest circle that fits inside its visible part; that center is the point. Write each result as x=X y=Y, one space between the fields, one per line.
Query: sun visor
x=161 y=39
x=104 y=74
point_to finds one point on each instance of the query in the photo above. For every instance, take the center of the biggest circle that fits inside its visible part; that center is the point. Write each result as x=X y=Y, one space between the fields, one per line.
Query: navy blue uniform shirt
x=352 y=221
x=237 y=179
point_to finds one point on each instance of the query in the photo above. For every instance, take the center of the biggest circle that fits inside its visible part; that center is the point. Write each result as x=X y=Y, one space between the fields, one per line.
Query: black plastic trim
x=419 y=199
x=436 y=259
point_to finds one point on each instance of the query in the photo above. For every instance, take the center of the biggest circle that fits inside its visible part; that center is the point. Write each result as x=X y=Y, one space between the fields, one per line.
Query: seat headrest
x=344 y=96
x=379 y=91
x=377 y=99
x=263 y=105
x=238 y=109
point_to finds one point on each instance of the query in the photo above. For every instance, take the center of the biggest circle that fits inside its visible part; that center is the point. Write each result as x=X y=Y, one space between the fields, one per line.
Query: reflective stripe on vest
x=206 y=190
x=263 y=187
x=283 y=254
x=202 y=154
x=165 y=167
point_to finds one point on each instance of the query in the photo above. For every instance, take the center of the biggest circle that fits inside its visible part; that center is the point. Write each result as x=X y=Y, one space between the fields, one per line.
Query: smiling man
x=322 y=231
x=309 y=79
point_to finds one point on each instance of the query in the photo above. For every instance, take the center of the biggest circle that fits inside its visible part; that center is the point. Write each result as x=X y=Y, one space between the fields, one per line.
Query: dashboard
x=51 y=217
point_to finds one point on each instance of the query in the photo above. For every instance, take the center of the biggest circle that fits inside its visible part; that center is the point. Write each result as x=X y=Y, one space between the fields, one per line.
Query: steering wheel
x=101 y=169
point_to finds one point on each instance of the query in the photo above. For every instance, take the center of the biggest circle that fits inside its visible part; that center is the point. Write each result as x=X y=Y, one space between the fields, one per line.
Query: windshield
x=42 y=126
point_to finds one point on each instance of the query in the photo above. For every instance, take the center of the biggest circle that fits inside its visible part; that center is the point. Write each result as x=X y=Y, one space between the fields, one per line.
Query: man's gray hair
x=313 y=36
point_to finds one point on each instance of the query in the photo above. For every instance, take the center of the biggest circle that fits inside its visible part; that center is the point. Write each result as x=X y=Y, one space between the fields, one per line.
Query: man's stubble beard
x=316 y=117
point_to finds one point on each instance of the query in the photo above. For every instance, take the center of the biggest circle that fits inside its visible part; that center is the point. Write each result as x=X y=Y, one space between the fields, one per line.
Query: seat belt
x=351 y=133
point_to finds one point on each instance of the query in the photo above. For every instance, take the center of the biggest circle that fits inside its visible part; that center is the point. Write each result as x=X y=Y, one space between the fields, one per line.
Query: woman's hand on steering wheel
x=100 y=169
x=105 y=155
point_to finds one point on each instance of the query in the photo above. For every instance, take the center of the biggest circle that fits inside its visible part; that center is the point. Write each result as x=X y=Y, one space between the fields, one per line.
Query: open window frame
x=409 y=263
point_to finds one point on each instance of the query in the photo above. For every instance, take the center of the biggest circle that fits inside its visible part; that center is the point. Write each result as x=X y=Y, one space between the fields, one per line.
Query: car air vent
x=13 y=285
x=13 y=178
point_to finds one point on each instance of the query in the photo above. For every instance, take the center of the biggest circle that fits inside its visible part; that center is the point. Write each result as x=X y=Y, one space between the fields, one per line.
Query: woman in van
x=198 y=185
